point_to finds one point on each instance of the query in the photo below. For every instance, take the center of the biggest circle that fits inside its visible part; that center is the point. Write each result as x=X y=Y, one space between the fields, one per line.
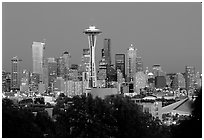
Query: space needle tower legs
x=92 y=32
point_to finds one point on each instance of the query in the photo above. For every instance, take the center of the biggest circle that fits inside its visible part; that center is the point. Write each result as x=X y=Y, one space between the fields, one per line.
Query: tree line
x=88 y=117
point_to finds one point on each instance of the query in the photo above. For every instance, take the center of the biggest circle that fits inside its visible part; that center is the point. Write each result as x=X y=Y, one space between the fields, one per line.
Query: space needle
x=92 y=32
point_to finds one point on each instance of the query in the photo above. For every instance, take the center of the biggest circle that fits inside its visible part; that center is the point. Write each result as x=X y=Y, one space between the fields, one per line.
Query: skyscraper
x=139 y=64
x=45 y=73
x=66 y=57
x=131 y=62
x=181 y=80
x=198 y=80
x=102 y=72
x=86 y=59
x=63 y=64
x=60 y=67
x=15 y=73
x=140 y=81
x=157 y=70
x=190 y=77
x=52 y=71
x=6 y=81
x=86 y=65
x=92 y=32
x=37 y=54
x=120 y=63
x=107 y=51
x=25 y=81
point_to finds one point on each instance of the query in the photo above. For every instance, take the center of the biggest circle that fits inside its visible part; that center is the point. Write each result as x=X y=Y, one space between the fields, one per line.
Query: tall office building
x=107 y=51
x=111 y=74
x=6 y=81
x=59 y=84
x=181 y=80
x=38 y=56
x=86 y=59
x=63 y=64
x=15 y=73
x=190 y=77
x=52 y=71
x=25 y=78
x=66 y=58
x=160 y=81
x=131 y=62
x=198 y=80
x=120 y=63
x=157 y=70
x=86 y=65
x=45 y=73
x=139 y=64
x=60 y=67
x=140 y=81
x=92 y=32
x=102 y=72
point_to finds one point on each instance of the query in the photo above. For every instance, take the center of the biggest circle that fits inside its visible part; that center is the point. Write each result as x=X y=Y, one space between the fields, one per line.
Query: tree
x=192 y=127
x=116 y=116
x=18 y=123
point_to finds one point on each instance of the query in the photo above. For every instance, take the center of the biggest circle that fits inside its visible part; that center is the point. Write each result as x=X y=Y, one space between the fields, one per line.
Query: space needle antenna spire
x=92 y=32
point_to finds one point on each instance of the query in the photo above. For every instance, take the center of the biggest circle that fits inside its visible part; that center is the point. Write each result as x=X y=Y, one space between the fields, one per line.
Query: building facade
x=157 y=70
x=6 y=81
x=131 y=62
x=25 y=78
x=15 y=73
x=52 y=71
x=139 y=64
x=107 y=51
x=38 y=56
x=190 y=77
x=120 y=63
x=140 y=81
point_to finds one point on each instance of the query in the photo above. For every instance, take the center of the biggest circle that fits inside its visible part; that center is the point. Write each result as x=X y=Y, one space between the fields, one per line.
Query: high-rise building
x=178 y=81
x=111 y=74
x=102 y=72
x=86 y=65
x=52 y=71
x=73 y=73
x=150 y=79
x=38 y=56
x=181 y=80
x=157 y=70
x=170 y=79
x=120 y=63
x=190 y=77
x=63 y=64
x=15 y=73
x=160 y=81
x=92 y=32
x=107 y=51
x=66 y=56
x=45 y=73
x=34 y=81
x=140 y=81
x=198 y=80
x=6 y=81
x=131 y=62
x=60 y=67
x=139 y=64
x=25 y=78
x=59 y=84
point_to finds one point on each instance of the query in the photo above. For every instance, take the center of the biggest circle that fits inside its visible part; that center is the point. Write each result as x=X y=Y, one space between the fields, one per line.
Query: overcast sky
x=169 y=34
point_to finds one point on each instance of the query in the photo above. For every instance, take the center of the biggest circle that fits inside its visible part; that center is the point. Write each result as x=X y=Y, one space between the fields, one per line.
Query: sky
x=169 y=34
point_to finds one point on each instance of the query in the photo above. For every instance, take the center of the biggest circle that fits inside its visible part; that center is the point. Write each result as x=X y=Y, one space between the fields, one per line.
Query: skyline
x=164 y=33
